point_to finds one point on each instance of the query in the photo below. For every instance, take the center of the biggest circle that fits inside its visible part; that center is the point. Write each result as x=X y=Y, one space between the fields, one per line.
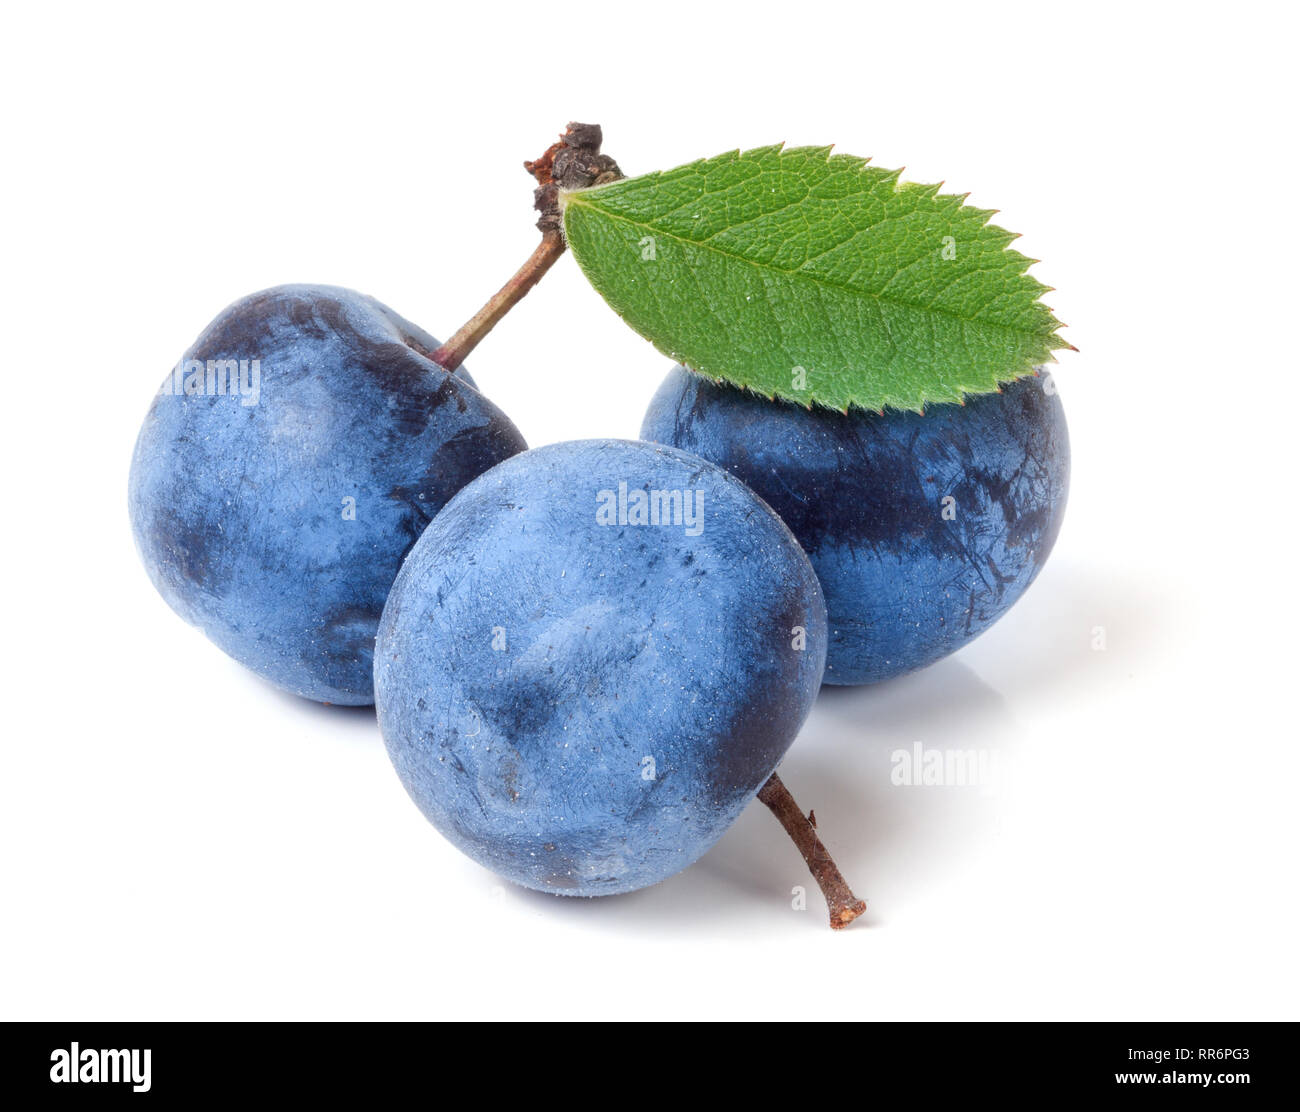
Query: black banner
x=1223 y=1062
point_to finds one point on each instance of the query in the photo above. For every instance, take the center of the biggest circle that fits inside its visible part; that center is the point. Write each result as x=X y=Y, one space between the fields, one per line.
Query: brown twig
x=452 y=354
x=844 y=906
x=575 y=162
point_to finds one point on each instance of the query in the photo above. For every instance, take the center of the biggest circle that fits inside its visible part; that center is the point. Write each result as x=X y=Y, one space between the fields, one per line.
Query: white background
x=178 y=840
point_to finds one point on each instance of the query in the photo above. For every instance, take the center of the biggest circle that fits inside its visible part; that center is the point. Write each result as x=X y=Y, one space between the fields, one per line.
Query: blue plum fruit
x=593 y=659
x=924 y=529
x=286 y=467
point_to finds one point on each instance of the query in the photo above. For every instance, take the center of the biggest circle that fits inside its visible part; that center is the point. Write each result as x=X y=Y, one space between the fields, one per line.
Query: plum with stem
x=290 y=461
x=593 y=660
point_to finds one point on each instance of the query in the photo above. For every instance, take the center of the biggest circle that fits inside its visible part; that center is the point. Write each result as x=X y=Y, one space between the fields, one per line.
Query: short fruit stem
x=575 y=162
x=844 y=906
x=452 y=354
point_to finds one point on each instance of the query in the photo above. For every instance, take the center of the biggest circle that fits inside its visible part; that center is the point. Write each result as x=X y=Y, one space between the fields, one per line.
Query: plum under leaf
x=814 y=277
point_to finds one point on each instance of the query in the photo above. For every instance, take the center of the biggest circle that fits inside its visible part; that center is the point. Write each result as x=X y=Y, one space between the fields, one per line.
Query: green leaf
x=755 y=267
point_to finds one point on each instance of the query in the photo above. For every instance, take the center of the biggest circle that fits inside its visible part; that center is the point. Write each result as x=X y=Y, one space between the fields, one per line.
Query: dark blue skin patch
x=239 y=510
x=864 y=493
x=531 y=661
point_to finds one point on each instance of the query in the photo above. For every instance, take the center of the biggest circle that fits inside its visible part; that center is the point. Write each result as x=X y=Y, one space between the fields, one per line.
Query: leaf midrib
x=816 y=280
